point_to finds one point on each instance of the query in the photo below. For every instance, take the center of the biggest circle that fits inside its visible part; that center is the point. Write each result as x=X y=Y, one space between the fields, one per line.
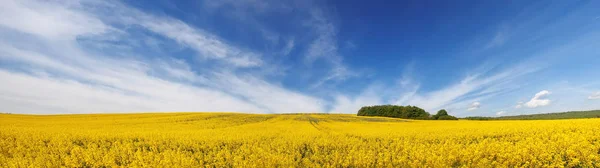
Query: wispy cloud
x=59 y=75
x=325 y=46
x=289 y=46
x=498 y=40
x=470 y=88
x=519 y=105
x=33 y=94
x=248 y=12
x=322 y=46
x=325 y=43
x=206 y=44
x=474 y=106
x=47 y=19
x=468 y=92
x=272 y=98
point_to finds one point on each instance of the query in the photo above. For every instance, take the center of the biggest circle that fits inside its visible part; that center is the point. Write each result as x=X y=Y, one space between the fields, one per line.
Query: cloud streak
x=474 y=106
x=519 y=105
x=471 y=88
x=325 y=46
x=60 y=75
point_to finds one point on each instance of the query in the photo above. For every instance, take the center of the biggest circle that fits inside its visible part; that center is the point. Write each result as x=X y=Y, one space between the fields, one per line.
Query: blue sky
x=472 y=58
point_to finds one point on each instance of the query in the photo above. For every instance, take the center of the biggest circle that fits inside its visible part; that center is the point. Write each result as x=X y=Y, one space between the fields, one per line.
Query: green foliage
x=447 y=117
x=406 y=112
x=546 y=116
x=479 y=118
x=442 y=112
x=439 y=114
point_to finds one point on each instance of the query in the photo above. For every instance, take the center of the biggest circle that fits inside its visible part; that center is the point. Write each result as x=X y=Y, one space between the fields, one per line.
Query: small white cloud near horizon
x=474 y=106
x=519 y=105
x=594 y=96
x=499 y=113
x=539 y=100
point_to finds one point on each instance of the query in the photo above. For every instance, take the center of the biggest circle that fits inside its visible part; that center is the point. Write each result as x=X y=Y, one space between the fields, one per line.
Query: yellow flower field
x=298 y=140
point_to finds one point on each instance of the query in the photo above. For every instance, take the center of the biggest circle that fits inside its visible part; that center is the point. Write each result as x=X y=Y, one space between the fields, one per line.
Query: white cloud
x=23 y=93
x=47 y=18
x=346 y=104
x=474 y=106
x=51 y=72
x=539 y=100
x=594 y=96
x=499 y=113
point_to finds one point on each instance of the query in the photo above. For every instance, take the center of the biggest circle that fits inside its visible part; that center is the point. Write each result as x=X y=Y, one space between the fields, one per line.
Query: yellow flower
x=302 y=140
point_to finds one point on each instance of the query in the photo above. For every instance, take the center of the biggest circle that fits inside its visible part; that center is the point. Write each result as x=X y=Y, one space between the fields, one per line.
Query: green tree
x=443 y=115
x=442 y=112
x=408 y=112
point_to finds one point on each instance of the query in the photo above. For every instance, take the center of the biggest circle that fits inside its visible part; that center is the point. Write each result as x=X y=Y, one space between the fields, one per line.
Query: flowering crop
x=299 y=140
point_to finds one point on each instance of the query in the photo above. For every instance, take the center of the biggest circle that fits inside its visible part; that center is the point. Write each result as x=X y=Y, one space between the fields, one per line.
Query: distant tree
x=443 y=115
x=442 y=112
x=407 y=112
x=480 y=118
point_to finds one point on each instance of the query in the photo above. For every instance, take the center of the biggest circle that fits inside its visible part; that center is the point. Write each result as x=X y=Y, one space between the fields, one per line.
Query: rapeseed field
x=295 y=140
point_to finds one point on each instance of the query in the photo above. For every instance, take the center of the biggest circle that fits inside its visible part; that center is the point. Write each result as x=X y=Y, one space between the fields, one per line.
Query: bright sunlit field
x=298 y=140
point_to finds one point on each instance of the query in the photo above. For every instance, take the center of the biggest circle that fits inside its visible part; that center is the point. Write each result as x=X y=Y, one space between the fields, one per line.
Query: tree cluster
x=406 y=112
x=443 y=115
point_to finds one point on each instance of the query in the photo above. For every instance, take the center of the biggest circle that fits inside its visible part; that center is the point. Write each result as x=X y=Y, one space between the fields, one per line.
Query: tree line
x=406 y=112
x=544 y=116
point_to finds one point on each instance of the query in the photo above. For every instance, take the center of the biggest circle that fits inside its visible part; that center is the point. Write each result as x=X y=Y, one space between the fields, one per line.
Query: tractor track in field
x=313 y=122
